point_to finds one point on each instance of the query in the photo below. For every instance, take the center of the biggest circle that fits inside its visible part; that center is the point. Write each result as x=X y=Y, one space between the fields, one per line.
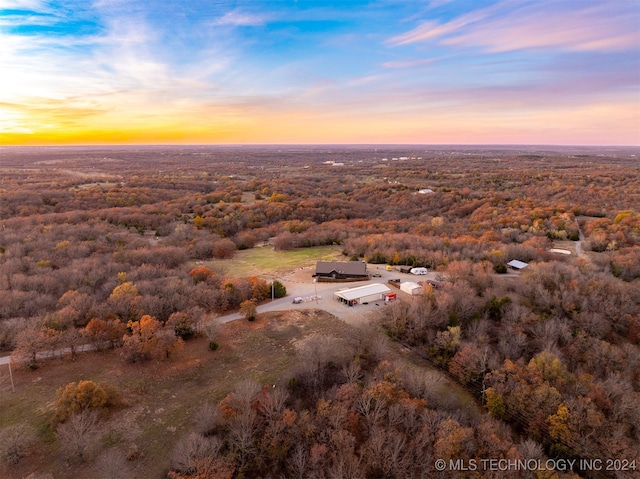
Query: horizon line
x=248 y=145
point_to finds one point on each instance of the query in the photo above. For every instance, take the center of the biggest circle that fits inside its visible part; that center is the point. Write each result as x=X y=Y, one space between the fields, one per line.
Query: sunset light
x=201 y=72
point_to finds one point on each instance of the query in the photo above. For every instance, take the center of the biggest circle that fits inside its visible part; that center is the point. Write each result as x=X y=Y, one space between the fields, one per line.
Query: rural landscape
x=250 y=312
x=319 y=239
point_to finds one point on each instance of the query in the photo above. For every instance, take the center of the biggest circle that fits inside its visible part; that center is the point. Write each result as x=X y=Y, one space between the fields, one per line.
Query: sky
x=549 y=72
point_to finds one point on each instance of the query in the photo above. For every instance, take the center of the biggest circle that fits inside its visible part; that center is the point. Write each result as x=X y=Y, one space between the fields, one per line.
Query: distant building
x=425 y=191
x=516 y=264
x=341 y=269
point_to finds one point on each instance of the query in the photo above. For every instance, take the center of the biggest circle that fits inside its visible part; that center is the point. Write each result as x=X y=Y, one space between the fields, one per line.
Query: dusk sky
x=563 y=72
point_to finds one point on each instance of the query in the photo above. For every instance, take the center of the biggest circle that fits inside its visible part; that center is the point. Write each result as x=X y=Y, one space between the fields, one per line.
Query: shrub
x=75 y=398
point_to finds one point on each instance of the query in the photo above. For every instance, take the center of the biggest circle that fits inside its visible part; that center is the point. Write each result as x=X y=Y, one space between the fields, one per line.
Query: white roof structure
x=514 y=263
x=366 y=290
x=410 y=284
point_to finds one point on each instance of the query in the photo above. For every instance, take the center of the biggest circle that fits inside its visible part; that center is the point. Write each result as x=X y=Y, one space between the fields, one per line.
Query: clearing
x=265 y=261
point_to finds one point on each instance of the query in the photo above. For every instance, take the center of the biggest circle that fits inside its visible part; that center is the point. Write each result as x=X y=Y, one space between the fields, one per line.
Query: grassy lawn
x=265 y=261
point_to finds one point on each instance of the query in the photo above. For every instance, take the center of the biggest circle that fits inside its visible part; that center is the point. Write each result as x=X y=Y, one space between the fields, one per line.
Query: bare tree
x=78 y=434
x=112 y=464
x=273 y=403
x=15 y=441
x=192 y=450
x=242 y=435
x=351 y=371
x=207 y=418
x=298 y=462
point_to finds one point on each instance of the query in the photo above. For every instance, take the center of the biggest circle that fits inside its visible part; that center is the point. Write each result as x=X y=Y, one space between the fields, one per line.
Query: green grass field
x=265 y=261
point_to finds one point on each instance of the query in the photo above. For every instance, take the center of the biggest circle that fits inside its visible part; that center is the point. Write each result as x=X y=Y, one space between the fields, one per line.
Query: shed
x=362 y=294
x=516 y=264
x=411 y=288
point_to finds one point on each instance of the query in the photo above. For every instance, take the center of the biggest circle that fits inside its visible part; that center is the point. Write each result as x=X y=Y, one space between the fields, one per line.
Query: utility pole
x=11 y=376
x=315 y=283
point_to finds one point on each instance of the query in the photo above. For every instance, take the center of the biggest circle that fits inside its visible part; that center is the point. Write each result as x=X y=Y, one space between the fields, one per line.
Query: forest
x=110 y=246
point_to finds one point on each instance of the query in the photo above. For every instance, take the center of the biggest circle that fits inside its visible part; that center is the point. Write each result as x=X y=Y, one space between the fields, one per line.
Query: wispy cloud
x=507 y=26
x=408 y=63
x=199 y=71
x=240 y=18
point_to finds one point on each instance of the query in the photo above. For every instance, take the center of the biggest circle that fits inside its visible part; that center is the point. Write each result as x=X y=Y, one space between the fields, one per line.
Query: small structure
x=341 y=269
x=425 y=191
x=434 y=283
x=405 y=269
x=411 y=288
x=391 y=296
x=517 y=264
x=419 y=271
x=362 y=294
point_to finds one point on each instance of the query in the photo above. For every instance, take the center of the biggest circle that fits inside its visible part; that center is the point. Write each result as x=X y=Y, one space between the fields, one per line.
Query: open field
x=265 y=261
x=160 y=396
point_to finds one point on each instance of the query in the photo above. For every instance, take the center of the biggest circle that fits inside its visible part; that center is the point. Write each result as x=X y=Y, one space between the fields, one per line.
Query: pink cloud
x=602 y=27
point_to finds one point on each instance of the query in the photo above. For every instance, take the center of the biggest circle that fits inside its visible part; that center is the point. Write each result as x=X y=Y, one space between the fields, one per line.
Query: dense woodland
x=103 y=245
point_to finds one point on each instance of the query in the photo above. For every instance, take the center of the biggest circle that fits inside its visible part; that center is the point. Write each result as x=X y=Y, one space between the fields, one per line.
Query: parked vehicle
x=419 y=271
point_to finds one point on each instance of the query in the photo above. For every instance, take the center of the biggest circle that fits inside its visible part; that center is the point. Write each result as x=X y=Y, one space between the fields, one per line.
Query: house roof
x=514 y=263
x=343 y=267
x=410 y=284
x=360 y=291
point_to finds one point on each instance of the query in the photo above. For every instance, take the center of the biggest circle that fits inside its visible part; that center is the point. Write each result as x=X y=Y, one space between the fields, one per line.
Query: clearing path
x=579 y=251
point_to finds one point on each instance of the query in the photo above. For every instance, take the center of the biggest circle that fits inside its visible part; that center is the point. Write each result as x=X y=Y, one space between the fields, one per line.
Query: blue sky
x=286 y=71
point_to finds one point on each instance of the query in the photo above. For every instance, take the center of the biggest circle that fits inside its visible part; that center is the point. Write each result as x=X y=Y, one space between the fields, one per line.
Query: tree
x=201 y=273
x=105 y=333
x=75 y=398
x=278 y=289
x=210 y=330
x=248 y=309
x=223 y=249
x=78 y=434
x=182 y=325
x=148 y=339
x=15 y=441
x=141 y=344
x=259 y=288
x=112 y=464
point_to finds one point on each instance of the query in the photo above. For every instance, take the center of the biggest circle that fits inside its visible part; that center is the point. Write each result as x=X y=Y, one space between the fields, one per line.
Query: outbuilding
x=409 y=287
x=517 y=264
x=362 y=294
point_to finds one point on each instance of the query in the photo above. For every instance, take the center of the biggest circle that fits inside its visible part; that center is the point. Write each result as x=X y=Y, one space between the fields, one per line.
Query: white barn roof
x=517 y=264
x=361 y=291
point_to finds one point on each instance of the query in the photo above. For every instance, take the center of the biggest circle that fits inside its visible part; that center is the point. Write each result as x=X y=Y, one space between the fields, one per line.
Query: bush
x=500 y=268
x=213 y=345
x=15 y=441
x=75 y=398
x=279 y=290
